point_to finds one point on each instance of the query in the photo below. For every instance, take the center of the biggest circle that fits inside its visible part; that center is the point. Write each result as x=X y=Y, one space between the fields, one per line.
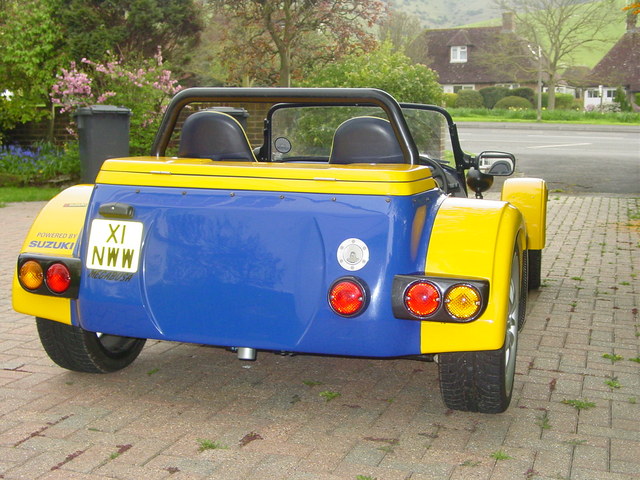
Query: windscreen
x=305 y=133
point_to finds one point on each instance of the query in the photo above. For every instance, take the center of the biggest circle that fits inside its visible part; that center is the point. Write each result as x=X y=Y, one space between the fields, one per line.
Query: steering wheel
x=438 y=172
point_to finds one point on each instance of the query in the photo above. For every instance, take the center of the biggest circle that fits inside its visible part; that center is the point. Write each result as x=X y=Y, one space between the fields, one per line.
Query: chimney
x=508 y=22
x=631 y=22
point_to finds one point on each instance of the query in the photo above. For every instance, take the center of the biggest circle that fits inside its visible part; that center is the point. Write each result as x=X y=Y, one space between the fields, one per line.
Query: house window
x=510 y=86
x=459 y=54
x=457 y=88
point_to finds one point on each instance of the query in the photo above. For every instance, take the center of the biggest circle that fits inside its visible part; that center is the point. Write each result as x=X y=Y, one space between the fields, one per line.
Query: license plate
x=114 y=245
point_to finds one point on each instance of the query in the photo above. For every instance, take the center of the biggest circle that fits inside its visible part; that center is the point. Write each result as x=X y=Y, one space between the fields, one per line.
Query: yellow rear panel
x=54 y=232
x=475 y=238
x=529 y=195
x=360 y=179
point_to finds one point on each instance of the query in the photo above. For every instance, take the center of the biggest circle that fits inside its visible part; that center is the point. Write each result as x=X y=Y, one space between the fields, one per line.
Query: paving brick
x=277 y=467
x=594 y=458
x=390 y=422
x=555 y=463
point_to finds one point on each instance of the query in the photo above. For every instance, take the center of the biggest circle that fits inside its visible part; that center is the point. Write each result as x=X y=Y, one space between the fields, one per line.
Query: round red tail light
x=347 y=297
x=422 y=299
x=58 y=278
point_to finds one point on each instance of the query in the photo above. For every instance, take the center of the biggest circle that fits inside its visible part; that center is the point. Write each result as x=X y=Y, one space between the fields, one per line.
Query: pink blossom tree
x=143 y=87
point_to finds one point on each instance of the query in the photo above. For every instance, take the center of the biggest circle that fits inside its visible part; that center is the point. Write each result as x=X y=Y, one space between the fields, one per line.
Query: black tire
x=524 y=290
x=483 y=381
x=535 y=263
x=77 y=349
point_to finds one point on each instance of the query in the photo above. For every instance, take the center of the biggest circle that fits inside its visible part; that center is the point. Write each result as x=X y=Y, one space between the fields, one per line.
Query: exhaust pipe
x=246 y=353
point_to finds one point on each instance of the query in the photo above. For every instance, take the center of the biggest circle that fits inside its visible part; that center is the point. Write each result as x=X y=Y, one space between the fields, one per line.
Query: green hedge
x=492 y=95
x=513 y=102
x=450 y=100
x=524 y=92
x=469 y=99
x=564 y=101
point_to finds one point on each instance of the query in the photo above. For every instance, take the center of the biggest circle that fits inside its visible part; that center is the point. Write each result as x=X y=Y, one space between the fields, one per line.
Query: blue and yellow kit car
x=342 y=227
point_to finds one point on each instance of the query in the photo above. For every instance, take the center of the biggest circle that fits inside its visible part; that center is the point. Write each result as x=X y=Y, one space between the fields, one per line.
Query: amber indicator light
x=462 y=301
x=31 y=275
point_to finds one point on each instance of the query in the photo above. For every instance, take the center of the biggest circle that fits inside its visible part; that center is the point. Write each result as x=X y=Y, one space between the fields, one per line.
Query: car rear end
x=246 y=255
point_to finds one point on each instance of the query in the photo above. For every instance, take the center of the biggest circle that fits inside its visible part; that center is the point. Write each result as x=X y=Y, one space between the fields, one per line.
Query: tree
x=508 y=57
x=30 y=50
x=277 y=39
x=633 y=7
x=143 y=86
x=390 y=71
x=400 y=29
x=559 y=27
x=93 y=28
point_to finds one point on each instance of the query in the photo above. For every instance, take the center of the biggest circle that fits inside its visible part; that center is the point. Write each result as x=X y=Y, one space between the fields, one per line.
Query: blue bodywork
x=253 y=269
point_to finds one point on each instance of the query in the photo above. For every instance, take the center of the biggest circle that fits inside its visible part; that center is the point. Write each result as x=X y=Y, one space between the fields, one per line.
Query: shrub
x=144 y=87
x=524 y=92
x=491 y=95
x=469 y=99
x=39 y=164
x=564 y=101
x=622 y=100
x=637 y=98
x=513 y=102
x=450 y=100
x=545 y=100
x=383 y=68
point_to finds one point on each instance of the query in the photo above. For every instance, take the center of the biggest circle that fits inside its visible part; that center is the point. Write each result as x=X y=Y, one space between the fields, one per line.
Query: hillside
x=452 y=13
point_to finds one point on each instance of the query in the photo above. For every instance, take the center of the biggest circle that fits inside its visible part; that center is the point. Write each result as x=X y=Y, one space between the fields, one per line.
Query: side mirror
x=501 y=164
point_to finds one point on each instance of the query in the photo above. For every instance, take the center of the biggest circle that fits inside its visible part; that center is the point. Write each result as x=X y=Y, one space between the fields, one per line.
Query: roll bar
x=312 y=96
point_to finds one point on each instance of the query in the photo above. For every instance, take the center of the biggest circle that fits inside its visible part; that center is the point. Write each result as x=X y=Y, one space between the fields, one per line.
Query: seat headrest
x=365 y=140
x=214 y=135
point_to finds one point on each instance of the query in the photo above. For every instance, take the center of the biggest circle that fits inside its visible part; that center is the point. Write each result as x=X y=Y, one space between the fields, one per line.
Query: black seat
x=214 y=135
x=365 y=140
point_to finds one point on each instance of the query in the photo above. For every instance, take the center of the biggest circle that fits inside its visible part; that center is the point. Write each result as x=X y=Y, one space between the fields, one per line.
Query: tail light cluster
x=348 y=296
x=415 y=297
x=439 y=299
x=49 y=275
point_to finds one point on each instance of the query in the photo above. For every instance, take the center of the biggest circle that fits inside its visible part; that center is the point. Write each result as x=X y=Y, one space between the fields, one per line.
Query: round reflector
x=462 y=301
x=422 y=299
x=347 y=297
x=31 y=275
x=58 y=278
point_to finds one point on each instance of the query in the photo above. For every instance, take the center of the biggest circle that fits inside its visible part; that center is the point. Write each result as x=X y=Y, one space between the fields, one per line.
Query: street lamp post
x=539 y=106
x=538 y=55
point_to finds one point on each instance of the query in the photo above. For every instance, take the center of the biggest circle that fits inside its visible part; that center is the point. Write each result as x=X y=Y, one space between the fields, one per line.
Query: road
x=593 y=159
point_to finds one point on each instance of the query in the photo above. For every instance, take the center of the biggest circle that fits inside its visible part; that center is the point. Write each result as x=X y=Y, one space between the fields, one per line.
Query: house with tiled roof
x=474 y=58
x=620 y=67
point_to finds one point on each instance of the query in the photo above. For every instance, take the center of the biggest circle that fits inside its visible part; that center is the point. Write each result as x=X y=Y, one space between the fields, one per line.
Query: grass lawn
x=26 y=194
x=472 y=118
x=548 y=116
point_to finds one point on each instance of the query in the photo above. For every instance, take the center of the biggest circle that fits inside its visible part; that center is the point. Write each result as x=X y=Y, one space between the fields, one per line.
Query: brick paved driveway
x=153 y=420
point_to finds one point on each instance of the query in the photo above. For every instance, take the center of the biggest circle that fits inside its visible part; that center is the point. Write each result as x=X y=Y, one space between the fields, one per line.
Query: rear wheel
x=77 y=349
x=483 y=381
